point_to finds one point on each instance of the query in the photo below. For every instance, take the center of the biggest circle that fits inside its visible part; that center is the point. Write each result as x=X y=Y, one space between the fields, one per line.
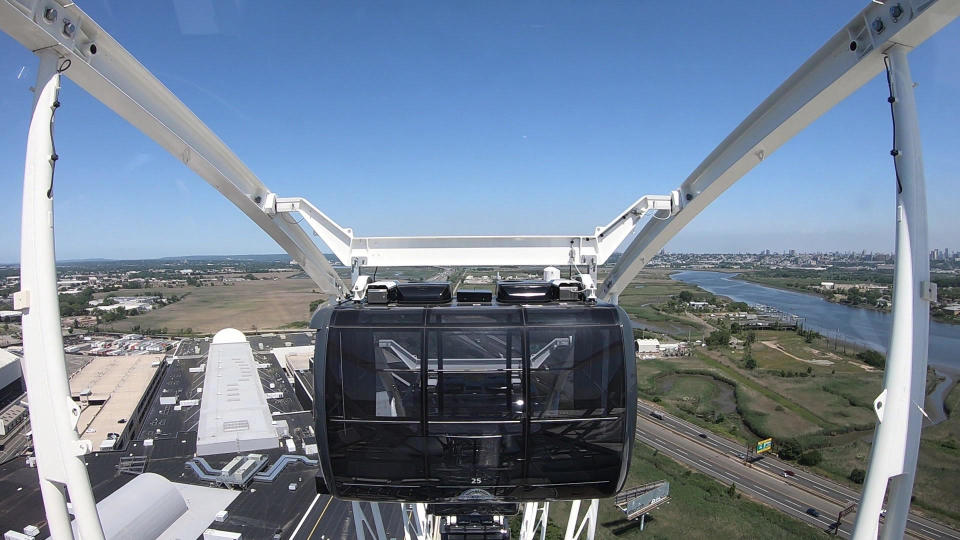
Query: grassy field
x=246 y=305
x=700 y=507
x=825 y=406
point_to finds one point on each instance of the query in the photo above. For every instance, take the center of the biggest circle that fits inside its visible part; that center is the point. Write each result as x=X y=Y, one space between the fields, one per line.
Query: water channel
x=866 y=327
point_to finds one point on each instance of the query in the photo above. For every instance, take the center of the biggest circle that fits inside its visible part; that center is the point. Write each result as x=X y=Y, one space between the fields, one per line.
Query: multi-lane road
x=763 y=479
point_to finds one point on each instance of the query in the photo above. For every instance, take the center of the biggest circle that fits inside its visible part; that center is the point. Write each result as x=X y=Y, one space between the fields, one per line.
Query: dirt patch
x=825 y=354
x=864 y=367
x=776 y=346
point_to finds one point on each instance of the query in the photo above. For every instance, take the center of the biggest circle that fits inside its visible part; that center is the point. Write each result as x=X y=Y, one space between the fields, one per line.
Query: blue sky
x=493 y=117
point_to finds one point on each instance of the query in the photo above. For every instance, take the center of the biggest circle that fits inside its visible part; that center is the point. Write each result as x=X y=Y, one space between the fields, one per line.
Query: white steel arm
x=590 y=249
x=102 y=67
x=53 y=414
x=848 y=60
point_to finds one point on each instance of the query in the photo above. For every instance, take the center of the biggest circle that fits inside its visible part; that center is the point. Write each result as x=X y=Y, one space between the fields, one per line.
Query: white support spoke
x=53 y=414
x=896 y=442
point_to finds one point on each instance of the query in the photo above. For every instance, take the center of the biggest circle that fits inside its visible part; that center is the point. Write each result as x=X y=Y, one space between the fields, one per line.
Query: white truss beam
x=852 y=57
x=102 y=67
x=590 y=249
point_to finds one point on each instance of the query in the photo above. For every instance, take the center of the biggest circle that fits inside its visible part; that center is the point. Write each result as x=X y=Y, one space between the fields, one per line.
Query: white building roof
x=234 y=415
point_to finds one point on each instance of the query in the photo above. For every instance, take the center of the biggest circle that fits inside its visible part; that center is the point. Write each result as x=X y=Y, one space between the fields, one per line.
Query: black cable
x=53 y=143
x=893 y=119
x=375 y=268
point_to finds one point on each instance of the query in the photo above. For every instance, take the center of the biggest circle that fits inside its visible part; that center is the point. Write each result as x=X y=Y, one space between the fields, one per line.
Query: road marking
x=305 y=514
x=314 y=529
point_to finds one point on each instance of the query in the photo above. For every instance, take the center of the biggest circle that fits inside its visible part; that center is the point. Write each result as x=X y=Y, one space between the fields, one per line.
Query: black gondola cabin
x=424 y=398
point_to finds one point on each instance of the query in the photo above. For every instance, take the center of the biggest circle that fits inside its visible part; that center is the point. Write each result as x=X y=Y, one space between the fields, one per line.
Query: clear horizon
x=422 y=119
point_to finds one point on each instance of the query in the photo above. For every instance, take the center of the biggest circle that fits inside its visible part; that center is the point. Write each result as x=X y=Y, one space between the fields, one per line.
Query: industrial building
x=647 y=346
x=234 y=415
x=11 y=378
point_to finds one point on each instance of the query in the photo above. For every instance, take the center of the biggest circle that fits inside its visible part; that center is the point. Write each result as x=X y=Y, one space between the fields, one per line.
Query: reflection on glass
x=475 y=374
x=576 y=372
x=381 y=372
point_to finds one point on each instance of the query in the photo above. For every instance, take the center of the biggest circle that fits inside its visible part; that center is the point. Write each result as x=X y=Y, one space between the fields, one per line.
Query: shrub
x=872 y=358
x=811 y=458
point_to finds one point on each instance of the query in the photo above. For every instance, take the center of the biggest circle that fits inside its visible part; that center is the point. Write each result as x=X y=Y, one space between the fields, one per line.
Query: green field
x=825 y=407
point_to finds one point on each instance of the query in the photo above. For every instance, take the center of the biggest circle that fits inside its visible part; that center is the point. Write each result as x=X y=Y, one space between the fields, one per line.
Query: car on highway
x=788 y=473
x=656 y=415
x=702 y=435
x=813 y=512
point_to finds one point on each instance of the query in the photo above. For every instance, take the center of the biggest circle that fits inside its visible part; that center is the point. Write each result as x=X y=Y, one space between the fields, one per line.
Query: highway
x=328 y=517
x=763 y=480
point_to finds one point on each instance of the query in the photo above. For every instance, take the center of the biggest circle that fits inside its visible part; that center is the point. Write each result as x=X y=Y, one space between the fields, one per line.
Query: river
x=864 y=326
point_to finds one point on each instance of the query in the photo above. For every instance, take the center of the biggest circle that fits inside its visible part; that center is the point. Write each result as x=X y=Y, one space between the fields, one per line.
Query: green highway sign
x=764 y=445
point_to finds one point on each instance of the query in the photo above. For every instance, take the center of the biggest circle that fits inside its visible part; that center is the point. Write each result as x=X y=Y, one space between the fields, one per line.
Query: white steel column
x=536 y=516
x=896 y=441
x=53 y=414
x=577 y=526
x=362 y=524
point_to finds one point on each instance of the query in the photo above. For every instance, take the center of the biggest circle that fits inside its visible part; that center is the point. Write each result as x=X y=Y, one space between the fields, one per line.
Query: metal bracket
x=21 y=300
x=928 y=291
x=878 y=403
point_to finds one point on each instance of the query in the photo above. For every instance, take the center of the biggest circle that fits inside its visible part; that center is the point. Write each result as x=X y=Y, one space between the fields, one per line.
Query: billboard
x=764 y=445
x=648 y=500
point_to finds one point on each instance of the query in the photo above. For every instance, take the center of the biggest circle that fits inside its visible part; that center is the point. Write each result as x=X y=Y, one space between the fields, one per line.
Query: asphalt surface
x=763 y=480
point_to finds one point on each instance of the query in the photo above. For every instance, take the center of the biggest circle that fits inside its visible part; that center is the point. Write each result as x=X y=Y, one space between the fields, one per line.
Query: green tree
x=751 y=338
x=732 y=490
x=857 y=476
x=718 y=338
x=789 y=449
x=748 y=360
x=686 y=296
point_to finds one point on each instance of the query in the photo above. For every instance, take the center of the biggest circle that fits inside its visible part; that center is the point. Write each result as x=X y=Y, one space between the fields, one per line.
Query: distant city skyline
x=935 y=254
x=476 y=119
